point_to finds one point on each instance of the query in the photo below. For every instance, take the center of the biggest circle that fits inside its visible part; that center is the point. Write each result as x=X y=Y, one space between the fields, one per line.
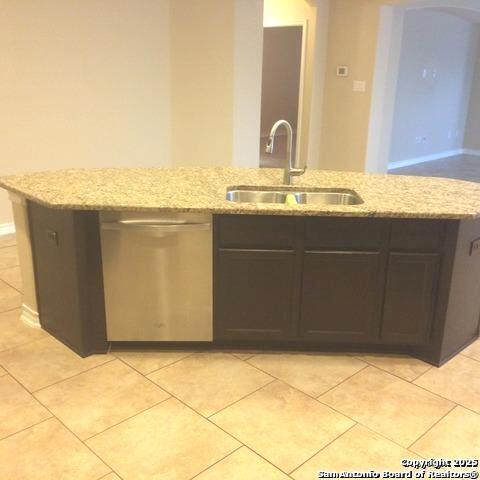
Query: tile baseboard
x=426 y=158
x=7 y=228
x=30 y=317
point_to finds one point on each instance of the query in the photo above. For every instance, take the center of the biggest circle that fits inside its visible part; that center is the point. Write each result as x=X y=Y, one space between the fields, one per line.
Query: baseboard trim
x=469 y=151
x=426 y=158
x=30 y=317
x=7 y=228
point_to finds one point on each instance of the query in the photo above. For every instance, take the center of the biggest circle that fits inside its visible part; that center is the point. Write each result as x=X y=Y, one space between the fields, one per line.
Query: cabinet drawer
x=417 y=235
x=346 y=233
x=255 y=231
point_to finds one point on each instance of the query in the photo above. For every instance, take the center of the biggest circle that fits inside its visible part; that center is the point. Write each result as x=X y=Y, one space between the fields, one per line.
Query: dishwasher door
x=157 y=271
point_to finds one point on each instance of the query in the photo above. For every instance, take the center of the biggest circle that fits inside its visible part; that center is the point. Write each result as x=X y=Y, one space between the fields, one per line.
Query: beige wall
x=202 y=66
x=144 y=83
x=472 y=132
x=247 y=82
x=83 y=83
x=352 y=41
x=216 y=61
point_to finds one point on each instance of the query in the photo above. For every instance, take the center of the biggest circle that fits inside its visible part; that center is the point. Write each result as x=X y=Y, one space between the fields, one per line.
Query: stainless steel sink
x=326 y=196
x=329 y=198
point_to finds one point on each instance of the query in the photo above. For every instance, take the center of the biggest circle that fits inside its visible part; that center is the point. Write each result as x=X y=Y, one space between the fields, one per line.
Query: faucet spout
x=290 y=170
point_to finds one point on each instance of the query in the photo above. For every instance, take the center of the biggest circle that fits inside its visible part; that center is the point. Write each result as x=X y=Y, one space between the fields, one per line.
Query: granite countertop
x=203 y=190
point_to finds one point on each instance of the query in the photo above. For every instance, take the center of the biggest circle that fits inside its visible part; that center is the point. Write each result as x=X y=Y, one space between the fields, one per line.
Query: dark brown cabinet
x=68 y=277
x=340 y=296
x=342 y=284
x=327 y=280
x=255 y=294
x=410 y=295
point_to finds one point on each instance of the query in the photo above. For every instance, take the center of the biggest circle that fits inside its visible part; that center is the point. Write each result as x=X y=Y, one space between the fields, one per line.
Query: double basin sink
x=317 y=196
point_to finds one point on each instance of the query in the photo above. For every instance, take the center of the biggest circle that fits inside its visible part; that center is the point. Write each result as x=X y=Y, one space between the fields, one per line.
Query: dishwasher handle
x=155 y=227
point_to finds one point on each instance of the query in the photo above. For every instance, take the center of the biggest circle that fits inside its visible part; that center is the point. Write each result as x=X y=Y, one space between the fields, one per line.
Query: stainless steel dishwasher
x=157 y=272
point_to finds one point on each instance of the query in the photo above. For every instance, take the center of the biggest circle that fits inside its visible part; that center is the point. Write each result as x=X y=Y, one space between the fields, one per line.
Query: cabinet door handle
x=52 y=236
x=153 y=226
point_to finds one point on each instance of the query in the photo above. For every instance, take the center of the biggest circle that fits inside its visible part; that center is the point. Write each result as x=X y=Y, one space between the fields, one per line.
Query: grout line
x=344 y=414
x=38 y=390
x=251 y=393
x=218 y=461
x=466 y=356
x=110 y=473
x=242 y=398
x=226 y=432
x=81 y=441
x=18 y=346
x=313 y=398
x=32 y=392
x=11 y=310
x=157 y=369
x=434 y=425
x=342 y=382
x=7 y=246
x=9 y=284
x=27 y=428
x=218 y=426
x=128 y=418
x=329 y=406
x=353 y=419
x=446 y=398
x=366 y=426
x=243 y=359
x=394 y=374
x=323 y=448
x=421 y=387
x=8 y=267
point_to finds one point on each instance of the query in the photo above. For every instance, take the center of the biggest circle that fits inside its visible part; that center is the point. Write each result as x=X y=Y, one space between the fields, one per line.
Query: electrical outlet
x=475 y=247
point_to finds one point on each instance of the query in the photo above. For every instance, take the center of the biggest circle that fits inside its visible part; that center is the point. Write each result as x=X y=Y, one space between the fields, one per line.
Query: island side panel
x=68 y=273
x=463 y=312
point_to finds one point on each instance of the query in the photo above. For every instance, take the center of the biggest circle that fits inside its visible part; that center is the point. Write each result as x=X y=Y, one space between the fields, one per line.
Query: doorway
x=282 y=88
x=424 y=106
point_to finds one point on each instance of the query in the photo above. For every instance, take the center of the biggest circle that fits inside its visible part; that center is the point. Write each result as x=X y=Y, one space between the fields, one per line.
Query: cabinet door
x=409 y=298
x=255 y=294
x=340 y=296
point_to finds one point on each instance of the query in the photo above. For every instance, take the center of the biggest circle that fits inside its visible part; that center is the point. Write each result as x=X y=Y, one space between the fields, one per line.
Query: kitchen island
x=398 y=272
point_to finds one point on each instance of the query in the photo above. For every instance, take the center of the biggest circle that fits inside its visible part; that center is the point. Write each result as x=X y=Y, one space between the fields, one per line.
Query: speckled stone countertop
x=204 y=189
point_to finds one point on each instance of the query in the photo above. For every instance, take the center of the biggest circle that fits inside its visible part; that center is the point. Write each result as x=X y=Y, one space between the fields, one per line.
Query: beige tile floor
x=139 y=415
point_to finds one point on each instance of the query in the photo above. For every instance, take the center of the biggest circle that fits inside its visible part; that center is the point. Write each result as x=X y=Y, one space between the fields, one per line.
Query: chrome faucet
x=289 y=171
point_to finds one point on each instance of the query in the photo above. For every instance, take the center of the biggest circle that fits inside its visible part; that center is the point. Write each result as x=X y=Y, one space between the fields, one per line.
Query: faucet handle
x=295 y=172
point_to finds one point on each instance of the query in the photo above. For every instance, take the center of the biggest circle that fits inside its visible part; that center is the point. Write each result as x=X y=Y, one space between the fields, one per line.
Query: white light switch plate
x=359 y=86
